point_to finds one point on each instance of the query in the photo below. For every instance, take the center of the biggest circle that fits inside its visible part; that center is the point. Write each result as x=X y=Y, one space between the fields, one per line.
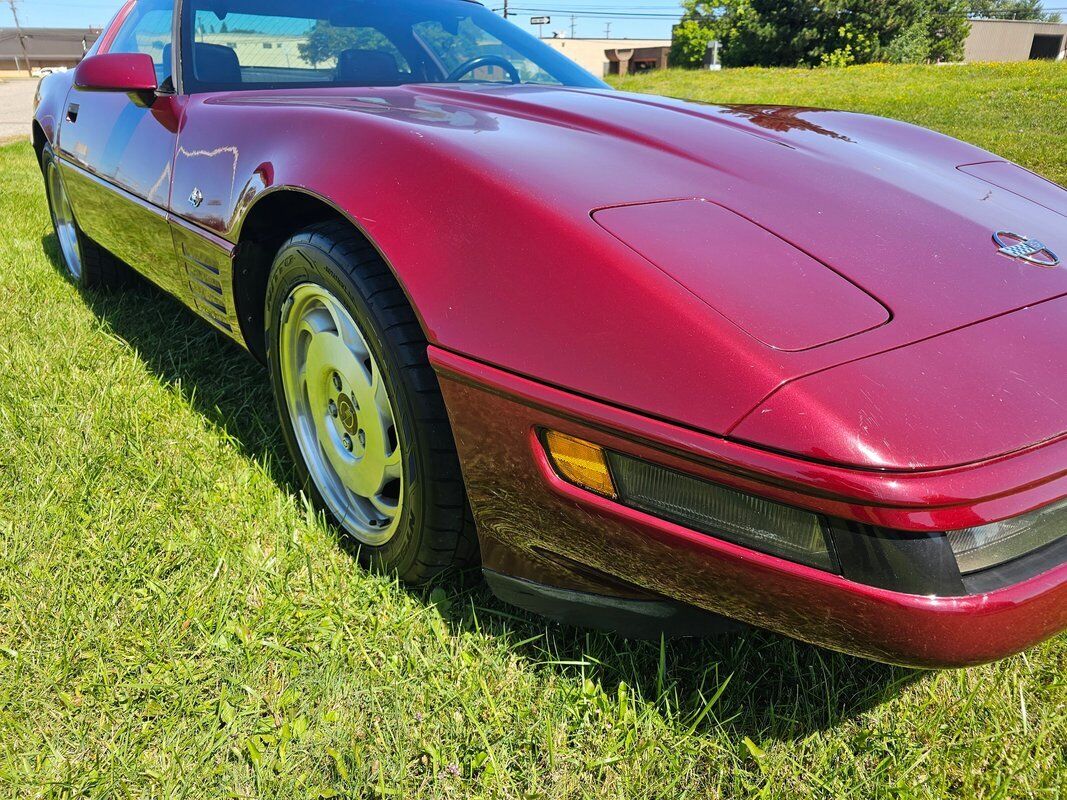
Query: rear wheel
x=86 y=263
x=360 y=406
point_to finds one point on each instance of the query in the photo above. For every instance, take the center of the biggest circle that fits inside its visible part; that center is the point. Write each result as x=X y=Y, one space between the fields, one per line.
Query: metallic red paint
x=534 y=525
x=1015 y=368
x=482 y=199
x=769 y=289
x=117 y=72
x=426 y=172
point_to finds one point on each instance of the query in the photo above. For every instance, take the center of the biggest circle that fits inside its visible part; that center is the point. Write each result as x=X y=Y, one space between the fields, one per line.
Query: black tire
x=99 y=269
x=434 y=531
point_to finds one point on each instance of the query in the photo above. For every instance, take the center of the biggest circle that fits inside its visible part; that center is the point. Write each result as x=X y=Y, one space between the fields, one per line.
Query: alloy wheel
x=63 y=219
x=341 y=413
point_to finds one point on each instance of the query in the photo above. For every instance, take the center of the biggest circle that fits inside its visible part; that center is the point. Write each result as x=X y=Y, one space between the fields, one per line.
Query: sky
x=639 y=19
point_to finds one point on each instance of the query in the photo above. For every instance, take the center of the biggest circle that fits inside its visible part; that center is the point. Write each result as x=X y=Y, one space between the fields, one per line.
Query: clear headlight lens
x=989 y=545
x=743 y=519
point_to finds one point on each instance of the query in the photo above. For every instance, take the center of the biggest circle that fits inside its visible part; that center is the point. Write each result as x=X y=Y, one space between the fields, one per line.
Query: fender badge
x=1025 y=248
x=196 y=198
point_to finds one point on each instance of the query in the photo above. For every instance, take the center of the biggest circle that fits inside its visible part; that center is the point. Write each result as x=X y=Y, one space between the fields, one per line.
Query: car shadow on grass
x=779 y=689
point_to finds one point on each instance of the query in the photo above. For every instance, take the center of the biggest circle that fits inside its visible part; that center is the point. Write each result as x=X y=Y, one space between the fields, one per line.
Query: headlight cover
x=987 y=546
x=931 y=563
x=740 y=518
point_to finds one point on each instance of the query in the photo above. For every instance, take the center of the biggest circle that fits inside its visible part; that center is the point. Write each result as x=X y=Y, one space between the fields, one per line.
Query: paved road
x=16 y=108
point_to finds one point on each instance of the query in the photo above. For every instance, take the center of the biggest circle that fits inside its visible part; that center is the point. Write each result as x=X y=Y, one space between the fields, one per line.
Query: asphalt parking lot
x=16 y=107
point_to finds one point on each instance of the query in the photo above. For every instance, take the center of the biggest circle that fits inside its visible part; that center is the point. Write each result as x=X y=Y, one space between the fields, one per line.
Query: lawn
x=1015 y=110
x=175 y=622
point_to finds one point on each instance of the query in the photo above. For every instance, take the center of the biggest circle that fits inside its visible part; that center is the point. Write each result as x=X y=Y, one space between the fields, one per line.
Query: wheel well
x=269 y=223
x=39 y=140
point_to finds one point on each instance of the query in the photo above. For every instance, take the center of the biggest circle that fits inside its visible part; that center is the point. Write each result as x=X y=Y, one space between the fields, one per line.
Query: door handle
x=72 y=112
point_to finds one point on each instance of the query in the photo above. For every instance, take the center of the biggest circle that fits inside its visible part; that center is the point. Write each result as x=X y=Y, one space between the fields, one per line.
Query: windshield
x=258 y=44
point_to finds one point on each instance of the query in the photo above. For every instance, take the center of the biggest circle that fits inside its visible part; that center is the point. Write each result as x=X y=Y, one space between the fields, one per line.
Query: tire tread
x=448 y=537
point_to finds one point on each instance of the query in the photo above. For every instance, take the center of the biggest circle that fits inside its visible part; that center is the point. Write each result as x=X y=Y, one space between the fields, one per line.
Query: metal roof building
x=1015 y=40
x=46 y=47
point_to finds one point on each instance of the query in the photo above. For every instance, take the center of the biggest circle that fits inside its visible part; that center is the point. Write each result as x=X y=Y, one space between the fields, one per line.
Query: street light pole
x=22 y=39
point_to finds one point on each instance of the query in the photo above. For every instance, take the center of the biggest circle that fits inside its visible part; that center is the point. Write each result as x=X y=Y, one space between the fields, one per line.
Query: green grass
x=174 y=622
x=1015 y=110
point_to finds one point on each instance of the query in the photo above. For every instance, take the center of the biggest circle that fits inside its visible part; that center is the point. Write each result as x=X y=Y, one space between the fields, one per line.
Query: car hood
x=902 y=212
x=894 y=225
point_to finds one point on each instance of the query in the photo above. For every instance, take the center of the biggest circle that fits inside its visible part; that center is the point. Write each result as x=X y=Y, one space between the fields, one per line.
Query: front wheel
x=359 y=404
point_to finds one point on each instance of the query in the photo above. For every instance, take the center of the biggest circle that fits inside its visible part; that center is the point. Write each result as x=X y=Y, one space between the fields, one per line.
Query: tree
x=325 y=42
x=769 y=33
x=689 y=43
x=823 y=32
x=1012 y=9
x=948 y=29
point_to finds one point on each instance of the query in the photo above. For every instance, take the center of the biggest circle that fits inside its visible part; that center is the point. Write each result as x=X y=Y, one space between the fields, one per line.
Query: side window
x=148 y=30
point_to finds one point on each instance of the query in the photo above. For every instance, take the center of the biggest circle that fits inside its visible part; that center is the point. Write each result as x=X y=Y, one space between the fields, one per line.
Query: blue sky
x=653 y=17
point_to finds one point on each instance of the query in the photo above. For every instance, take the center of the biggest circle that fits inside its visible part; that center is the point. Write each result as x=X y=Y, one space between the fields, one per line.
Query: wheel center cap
x=346 y=413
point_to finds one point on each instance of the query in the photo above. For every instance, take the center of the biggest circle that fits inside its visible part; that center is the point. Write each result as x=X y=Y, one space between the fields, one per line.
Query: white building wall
x=589 y=53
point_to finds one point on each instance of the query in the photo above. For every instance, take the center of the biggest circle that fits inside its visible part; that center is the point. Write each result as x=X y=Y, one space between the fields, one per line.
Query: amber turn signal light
x=580 y=462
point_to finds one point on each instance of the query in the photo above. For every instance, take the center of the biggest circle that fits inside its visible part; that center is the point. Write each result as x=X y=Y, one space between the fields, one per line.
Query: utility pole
x=505 y=9
x=607 y=29
x=574 y=25
x=22 y=39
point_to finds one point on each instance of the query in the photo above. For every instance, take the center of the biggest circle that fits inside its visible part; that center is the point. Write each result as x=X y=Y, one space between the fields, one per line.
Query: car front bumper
x=536 y=527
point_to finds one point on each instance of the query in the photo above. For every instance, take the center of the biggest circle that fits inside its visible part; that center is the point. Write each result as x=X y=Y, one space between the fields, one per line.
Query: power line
x=22 y=39
x=650 y=15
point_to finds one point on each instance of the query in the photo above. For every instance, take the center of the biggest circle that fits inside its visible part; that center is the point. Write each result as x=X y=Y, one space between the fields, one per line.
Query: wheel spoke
x=388 y=508
x=346 y=328
x=315 y=323
x=381 y=397
x=394 y=465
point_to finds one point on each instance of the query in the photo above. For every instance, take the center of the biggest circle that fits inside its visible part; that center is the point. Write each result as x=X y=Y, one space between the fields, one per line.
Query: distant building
x=46 y=47
x=1015 y=40
x=614 y=56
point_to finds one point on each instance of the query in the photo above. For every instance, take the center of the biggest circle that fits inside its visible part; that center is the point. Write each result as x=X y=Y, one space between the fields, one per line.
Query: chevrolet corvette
x=656 y=366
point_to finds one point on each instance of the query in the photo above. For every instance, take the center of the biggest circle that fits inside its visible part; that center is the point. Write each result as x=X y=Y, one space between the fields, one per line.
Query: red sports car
x=804 y=369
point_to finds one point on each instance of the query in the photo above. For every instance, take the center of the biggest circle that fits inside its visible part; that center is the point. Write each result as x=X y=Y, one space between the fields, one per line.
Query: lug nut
x=347 y=442
x=362 y=436
x=333 y=409
x=337 y=381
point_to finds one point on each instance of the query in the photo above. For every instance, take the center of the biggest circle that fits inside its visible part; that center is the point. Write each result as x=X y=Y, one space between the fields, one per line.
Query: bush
x=690 y=43
x=910 y=46
x=771 y=33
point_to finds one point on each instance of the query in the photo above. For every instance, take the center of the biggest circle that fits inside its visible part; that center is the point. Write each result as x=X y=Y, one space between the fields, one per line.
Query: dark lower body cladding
x=631 y=617
x=568 y=553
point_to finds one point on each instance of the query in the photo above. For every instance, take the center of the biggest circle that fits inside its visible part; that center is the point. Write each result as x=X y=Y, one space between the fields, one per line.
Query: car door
x=117 y=150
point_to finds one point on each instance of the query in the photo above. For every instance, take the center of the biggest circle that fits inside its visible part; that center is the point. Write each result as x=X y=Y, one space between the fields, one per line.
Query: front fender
x=500 y=268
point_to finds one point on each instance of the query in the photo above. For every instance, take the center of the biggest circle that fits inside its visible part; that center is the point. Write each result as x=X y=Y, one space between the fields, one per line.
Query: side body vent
x=208 y=270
